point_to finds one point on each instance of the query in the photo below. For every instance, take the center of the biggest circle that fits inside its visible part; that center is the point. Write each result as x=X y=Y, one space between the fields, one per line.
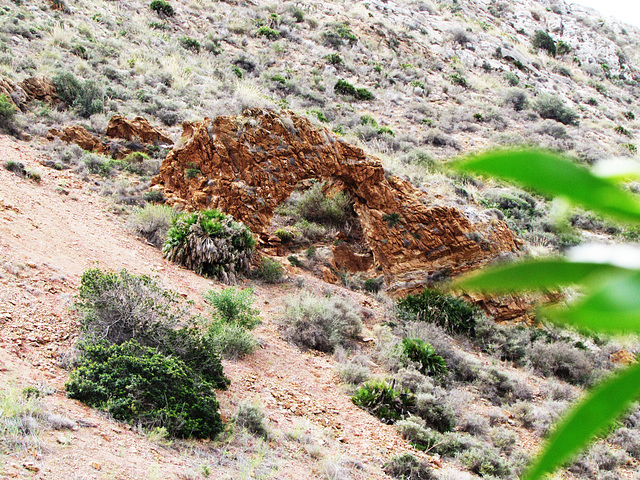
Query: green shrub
x=425 y=356
x=373 y=285
x=338 y=34
x=7 y=113
x=542 y=40
x=434 y=411
x=392 y=219
x=210 y=243
x=408 y=467
x=485 y=461
x=551 y=106
x=153 y=222
x=563 y=48
x=284 y=235
x=234 y=306
x=321 y=323
x=269 y=271
x=314 y=206
x=342 y=87
x=511 y=78
x=458 y=79
x=334 y=59
x=414 y=429
x=16 y=167
x=517 y=98
x=251 y=418
x=619 y=129
x=629 y=115
x=231 y=340
x=295 y=261
x=189 y=43
x=268 y=32
x=452 y=314
x=67 y=87
x=382 y=400
x=161 y=7
x=86 y=98
x=139 y=384
x=364 y=94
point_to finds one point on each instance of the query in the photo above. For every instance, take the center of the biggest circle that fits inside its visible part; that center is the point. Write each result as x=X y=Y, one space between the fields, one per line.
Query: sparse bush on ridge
x=153 y=222
x=542 y=40
x=408 y=467
x=551 y=106
x=321 y=323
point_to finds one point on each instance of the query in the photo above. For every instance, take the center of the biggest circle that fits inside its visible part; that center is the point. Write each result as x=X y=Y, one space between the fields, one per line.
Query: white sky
x=627 y=11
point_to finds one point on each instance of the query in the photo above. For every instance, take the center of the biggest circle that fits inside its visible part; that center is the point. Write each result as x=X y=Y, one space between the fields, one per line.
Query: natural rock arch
x=248 y=165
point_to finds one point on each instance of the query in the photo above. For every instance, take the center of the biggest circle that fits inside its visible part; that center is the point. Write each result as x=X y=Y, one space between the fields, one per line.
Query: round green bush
x=210 y=243
x=138 y=384
x=382 y=400
x=423 y=354
x=161 y=7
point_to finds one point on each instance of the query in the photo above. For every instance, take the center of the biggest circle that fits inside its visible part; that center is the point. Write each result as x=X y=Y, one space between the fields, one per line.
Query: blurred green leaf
x=535 y=275
x=555 y=175
x=613 y=308
x=590 y=417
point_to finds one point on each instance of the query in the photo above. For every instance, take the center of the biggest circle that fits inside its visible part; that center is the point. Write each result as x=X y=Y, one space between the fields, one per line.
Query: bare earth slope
x=49 y=234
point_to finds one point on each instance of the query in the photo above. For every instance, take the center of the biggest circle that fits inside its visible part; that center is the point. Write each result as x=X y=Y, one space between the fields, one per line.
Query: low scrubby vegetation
x=233 y=316
x=140 y=345
x=321 y=323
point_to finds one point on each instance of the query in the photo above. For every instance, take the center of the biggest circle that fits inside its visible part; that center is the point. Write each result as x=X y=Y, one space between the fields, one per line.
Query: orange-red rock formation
x=33 y=88
x=137 y=129
x=80 y=136
x=250 y=164
x=119 y=128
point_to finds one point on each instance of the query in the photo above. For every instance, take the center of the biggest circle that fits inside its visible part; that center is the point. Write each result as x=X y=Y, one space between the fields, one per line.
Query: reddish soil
x=50 y=232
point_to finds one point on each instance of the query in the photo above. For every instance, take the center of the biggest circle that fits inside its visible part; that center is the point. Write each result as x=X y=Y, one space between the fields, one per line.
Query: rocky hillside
x=326 y=128
x=440 y=77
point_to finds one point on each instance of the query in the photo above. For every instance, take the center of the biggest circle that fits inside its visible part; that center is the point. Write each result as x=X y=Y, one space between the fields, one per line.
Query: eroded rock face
x=137 y=129
x=40 y=88
x=80 y=136
x=32 y=88
x=250 y=164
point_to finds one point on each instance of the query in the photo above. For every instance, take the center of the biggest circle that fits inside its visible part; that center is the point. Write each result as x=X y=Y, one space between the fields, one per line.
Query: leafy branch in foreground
x=610 y=283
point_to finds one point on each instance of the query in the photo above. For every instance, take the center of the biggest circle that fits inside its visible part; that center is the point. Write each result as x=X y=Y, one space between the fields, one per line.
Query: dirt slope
x=49 y=234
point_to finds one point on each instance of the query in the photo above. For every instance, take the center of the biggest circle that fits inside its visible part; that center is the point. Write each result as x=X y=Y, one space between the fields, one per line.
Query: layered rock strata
x=248 y=165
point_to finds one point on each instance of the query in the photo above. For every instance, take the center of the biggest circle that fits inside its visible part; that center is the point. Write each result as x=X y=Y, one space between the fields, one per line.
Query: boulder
x=80 y=136
x=137 y=129
x=248 y=165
